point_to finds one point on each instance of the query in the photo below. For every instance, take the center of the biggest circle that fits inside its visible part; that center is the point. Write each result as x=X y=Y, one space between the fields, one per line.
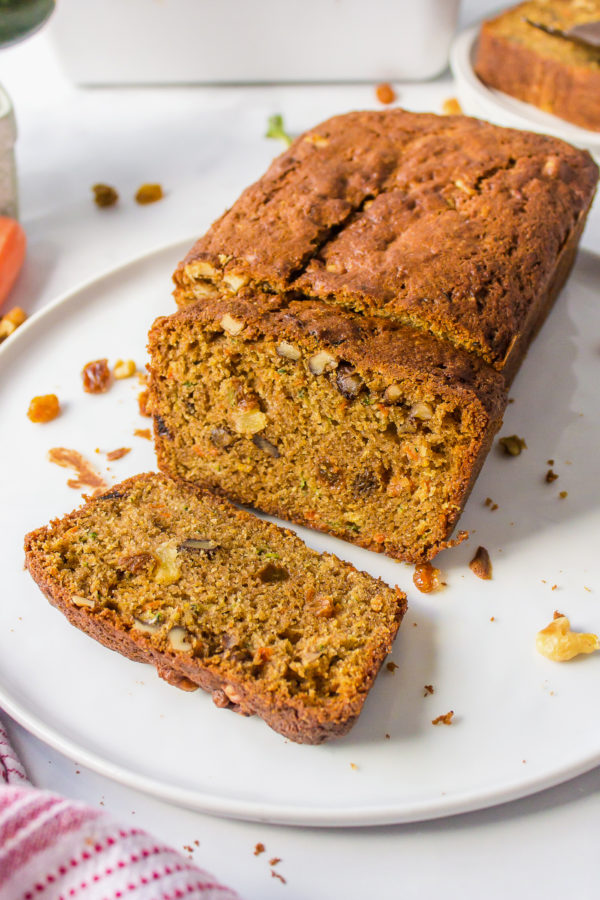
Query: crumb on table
x=445 y=719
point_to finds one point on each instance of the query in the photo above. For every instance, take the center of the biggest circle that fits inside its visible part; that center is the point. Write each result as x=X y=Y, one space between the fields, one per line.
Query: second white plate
x=521 y=722
x=479 y=100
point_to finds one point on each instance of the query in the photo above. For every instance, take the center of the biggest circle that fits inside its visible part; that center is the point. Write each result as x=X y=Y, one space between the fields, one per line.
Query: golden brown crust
x=295 y=719
x=556 y=75
x=447 y=224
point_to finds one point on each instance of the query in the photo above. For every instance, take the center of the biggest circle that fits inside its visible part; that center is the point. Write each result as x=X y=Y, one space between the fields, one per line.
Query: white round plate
x=479 y=100
x=521 y=722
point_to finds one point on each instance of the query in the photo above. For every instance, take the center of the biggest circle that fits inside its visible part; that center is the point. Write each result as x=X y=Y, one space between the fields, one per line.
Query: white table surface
x=204 y=145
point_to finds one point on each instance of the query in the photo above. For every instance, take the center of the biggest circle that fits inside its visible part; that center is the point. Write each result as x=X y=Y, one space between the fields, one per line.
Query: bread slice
x=219 y=599
x=445 y=223
x=371 y=431
x=558 y=75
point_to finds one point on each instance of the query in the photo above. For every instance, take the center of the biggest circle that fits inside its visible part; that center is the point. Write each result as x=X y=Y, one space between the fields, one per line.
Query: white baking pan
x=231 y=41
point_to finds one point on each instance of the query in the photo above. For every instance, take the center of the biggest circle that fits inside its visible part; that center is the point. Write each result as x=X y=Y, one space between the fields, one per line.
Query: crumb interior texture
x=445 y=223
x=216 y=598
x=560 y=76
x=346 y=423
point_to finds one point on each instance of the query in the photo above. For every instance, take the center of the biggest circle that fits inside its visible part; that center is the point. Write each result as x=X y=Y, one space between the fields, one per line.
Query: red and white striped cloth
x=55 y=849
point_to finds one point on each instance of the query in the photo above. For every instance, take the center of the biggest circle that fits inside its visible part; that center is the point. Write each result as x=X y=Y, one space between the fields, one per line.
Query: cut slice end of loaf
x=345 y=423
x=216 y=598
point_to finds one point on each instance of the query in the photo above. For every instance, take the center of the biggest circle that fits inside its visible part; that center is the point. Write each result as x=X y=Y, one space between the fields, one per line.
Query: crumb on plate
x=481 y=564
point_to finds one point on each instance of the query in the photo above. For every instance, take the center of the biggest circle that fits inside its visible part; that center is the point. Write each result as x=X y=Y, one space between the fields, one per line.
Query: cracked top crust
x=448 y=224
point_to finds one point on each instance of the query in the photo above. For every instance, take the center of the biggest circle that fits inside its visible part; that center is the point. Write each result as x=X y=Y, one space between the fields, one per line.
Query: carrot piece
x=12 y=254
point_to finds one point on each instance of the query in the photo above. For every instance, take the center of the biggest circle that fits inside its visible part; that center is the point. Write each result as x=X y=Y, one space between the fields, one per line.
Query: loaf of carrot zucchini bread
x=219 y=599
x=522 y=53
x=351 y=424
x=444 y=223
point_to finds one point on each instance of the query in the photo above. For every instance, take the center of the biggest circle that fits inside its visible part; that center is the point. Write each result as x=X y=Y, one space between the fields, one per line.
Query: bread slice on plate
x=217 y=598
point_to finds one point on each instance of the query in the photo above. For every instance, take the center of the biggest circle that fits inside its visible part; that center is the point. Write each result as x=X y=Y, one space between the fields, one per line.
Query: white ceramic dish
x=521 y=722
x=486 y=103
x=258 y=41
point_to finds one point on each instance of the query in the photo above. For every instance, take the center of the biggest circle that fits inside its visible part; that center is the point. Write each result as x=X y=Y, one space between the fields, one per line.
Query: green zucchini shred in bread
x=350 y=424
x=219 y=599
x=445 y=223
x=558 y=75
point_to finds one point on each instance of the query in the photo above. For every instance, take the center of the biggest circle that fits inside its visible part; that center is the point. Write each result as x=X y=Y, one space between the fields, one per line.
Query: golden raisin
x=11 y=321
x=44 y=408
x=104 y=195
x=137 y=563
x=451 y=107
x=512 y=445
x=149 y=193
x=385 y=93
x=426 y=578
x=96 y=376
x=324 y=607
